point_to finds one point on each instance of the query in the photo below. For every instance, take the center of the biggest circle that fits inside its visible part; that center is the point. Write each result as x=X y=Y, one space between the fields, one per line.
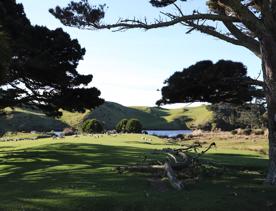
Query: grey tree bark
x=268 y=52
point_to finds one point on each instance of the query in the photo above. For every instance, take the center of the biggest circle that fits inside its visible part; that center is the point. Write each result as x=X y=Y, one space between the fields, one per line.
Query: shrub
x=247 y=131
x=259 y=131
x=133 y=126
x=234 y=132
x=92 y=126
x=121 y=126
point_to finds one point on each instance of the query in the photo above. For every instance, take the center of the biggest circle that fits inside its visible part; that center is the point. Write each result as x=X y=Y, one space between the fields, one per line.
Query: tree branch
x=129 y=24
x=247 y=41
x=208 y=30
x=252 y=22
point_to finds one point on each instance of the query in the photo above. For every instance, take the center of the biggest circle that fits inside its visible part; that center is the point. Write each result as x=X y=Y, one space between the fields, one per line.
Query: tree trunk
x=268 y=50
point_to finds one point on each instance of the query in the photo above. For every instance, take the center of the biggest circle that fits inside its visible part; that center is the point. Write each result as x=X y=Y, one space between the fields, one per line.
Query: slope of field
x=28 y=120
x=109 y=114
x=191 y=116
x=153 y=118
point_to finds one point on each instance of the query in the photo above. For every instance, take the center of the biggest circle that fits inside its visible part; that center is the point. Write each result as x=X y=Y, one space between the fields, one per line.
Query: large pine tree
x=41 y=72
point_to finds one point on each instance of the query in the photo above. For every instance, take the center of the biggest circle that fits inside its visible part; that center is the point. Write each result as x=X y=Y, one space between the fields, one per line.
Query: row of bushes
x=124 y=126
x=248 y=131
x=129 y=126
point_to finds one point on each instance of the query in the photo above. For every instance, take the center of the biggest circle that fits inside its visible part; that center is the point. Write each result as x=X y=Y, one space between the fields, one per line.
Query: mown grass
x=20 y=135
x=78 y=174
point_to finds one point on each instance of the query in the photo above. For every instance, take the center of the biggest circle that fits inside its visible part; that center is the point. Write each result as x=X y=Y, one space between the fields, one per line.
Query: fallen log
x=151 y=168
x=184 y=157
x=179 y=167
x=175 y=183
x=142 y=168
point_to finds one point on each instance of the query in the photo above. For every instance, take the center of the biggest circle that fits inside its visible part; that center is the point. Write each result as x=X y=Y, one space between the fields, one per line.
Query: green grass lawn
x=78 y=174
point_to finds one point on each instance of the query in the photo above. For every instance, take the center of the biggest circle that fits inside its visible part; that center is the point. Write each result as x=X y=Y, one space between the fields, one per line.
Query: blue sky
x=128 y=67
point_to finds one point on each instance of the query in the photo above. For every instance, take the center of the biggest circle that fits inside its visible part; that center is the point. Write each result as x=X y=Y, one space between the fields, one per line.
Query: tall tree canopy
x=42 y=70
x=247 y=23
x=228 y=116
x=5 y=56
x=224 y=81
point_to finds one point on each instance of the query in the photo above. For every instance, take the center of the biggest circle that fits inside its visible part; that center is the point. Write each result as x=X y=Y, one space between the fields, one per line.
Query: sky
x=129 y=67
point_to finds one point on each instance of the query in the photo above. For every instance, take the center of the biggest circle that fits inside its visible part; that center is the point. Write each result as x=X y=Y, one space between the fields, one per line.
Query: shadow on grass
x=239 y=161
x=81 y=177
x=23 y=121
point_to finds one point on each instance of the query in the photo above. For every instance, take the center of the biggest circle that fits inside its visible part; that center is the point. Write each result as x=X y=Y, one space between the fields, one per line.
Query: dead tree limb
x=177 y=184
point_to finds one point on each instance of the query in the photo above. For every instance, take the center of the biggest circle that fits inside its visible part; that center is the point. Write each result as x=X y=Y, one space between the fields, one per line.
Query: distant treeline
x=229 y=117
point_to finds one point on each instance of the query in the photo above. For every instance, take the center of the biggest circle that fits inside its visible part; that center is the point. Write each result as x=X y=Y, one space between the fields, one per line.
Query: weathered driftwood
x=183 y=156
x=151 y=168
x=172 y=158
x=178 y=165
x=175 y=183
x=142 y=168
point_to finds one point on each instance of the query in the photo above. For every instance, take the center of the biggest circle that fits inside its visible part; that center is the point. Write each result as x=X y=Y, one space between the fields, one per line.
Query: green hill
x=192 y=116
x=28 y=120
x=151 y=118
x=109 y=114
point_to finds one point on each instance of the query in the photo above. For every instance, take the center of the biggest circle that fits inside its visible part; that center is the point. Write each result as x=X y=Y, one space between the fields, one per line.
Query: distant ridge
x=152 y=117
x=109 y=114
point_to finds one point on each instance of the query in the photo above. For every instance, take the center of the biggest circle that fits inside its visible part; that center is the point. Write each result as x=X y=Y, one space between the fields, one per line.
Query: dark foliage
x=86 y=14
x=134 y=126
x=42 y=71
x=5 y=56
x=82 y=14
x=229 y=117
x=92 y=126
x=121 y=126
x=224 y=81
x=163 y=3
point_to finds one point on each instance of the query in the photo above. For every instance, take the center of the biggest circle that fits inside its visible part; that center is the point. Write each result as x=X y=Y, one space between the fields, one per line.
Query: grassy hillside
x=28 y=120
x=73 y=119
x=109 y=114
x=151 y=118
x=191 y=116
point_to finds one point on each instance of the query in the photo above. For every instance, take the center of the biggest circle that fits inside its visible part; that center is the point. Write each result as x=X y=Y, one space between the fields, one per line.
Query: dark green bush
x=247 y=131
x=92 y=126
x=234 y=132
x=84 y=125
x=228 y=117
x=121 y=126
x=134 y=126
x=259 y=131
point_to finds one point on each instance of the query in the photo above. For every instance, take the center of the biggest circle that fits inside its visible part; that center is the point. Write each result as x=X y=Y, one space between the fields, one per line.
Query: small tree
x=121 y=126
x=133 y=126
x=92 y=126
